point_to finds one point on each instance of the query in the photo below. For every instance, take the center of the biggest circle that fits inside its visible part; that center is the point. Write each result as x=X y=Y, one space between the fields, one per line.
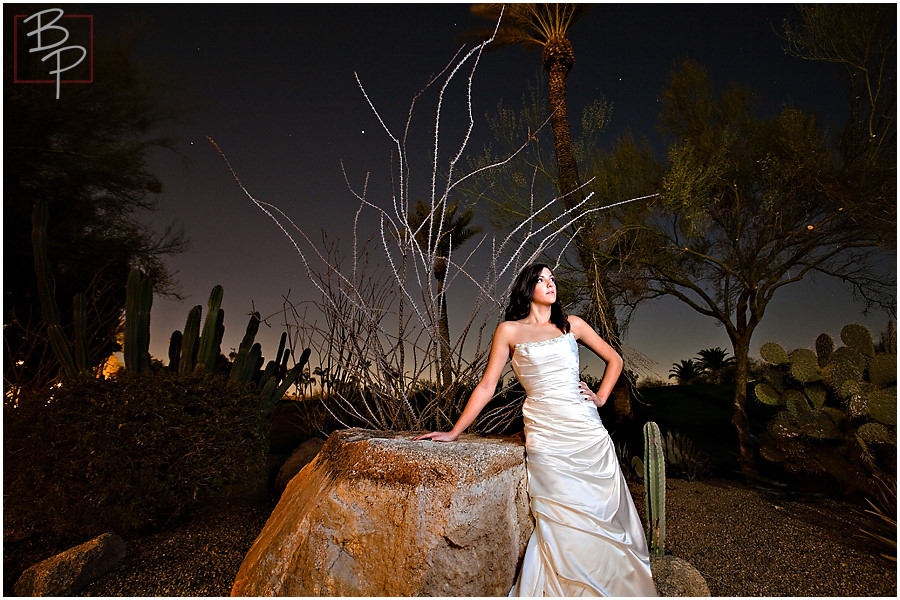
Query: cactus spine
x=655 y=488
x=138 y=301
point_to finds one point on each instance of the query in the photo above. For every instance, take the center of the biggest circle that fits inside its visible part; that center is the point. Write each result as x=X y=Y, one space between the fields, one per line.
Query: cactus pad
x=858 y=338
x=883 y=406
x=765 y=394
x=824 y=349
x=804 y=366
x=876 y=433
x=774 y=353
x=883 y=370
x=816 y=394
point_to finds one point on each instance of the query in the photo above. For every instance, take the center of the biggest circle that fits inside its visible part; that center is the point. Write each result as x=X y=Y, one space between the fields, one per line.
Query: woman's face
x=545 y=288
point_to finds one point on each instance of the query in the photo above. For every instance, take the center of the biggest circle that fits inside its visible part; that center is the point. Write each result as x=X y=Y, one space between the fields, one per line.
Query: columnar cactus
x=213 y=329
x=138 y=301
x=62 y=349
x=655 y=488
x=190 y=343
x=244 y=366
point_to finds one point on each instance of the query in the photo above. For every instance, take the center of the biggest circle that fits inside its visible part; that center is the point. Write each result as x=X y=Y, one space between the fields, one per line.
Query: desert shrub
x=683 y=459
x=130 y=453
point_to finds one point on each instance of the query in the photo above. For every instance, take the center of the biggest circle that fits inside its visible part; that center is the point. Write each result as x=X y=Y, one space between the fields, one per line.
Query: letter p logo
x=44 y=36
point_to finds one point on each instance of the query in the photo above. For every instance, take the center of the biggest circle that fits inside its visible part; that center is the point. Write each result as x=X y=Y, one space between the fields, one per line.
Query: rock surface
x=376 y=513
x=299 y=458
x=674 y=576
x=68 y=572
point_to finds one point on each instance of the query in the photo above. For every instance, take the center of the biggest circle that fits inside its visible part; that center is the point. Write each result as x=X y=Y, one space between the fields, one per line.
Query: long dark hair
x=523 y=293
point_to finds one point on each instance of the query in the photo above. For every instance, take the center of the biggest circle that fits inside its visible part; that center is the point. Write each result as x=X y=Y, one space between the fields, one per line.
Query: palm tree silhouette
x=715 y=361
x=441 y=232
x=544 y=26
x=685 y=372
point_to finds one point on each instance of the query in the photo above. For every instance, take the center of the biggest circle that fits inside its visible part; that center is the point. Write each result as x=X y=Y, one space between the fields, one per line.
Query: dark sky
x=275 y=87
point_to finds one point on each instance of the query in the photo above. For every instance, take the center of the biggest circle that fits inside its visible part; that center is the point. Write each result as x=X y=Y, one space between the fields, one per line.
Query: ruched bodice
x=588 y=538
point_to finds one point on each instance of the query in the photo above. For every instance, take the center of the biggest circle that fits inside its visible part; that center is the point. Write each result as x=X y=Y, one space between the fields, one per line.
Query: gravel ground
x=745 y=541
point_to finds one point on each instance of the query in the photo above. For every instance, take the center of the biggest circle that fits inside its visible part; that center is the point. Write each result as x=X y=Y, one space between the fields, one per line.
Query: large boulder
x=378 y=514
x=68 y=572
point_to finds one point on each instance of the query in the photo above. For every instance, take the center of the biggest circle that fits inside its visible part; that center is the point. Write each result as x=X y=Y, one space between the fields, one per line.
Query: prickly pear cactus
x=835 y=410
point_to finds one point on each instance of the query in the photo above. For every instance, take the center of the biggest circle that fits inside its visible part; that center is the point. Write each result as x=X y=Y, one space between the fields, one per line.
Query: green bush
x=131 y=453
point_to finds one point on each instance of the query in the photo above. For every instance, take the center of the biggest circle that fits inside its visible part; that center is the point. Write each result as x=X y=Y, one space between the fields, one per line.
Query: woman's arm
x=483 y=392
x=614 y=363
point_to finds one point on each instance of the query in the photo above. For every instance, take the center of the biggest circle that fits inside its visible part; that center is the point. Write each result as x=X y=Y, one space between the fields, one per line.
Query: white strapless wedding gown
x=588 y=538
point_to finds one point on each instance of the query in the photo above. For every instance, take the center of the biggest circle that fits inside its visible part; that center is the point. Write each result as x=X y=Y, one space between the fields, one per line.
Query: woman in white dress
x=588 y=539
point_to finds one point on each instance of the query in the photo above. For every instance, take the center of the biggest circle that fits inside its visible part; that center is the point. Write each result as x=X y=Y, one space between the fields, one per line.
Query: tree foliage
x=87 y=156
x=749 y=205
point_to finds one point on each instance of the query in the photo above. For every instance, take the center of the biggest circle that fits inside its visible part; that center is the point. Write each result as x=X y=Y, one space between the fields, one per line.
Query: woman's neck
x=539 y=315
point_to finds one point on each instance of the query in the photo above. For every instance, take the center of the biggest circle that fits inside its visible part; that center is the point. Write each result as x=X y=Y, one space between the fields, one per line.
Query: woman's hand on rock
x=438 y=436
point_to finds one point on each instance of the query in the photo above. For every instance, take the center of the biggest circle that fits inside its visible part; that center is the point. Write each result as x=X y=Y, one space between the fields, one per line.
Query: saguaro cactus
x=138 y=301
x=655 y=488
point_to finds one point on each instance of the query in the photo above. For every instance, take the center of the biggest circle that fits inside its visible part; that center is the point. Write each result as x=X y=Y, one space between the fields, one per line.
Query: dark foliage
x=128 y=454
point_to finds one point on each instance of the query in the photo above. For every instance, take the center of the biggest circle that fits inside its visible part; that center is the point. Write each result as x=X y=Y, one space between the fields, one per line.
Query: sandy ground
x=744 y=540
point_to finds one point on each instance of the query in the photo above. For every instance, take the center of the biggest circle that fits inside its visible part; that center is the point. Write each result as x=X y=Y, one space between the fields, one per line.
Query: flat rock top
x=394 y=457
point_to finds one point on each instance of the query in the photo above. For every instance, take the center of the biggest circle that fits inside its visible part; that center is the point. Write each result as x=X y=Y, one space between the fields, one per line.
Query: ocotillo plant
x=655 y=488
x=377 y=328
x=138 y=301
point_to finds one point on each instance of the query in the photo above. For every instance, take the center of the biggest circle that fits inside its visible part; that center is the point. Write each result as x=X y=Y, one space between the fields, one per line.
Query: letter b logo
x=51 y=47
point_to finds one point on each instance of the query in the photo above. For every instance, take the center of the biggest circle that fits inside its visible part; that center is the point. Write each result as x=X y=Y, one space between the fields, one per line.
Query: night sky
x=274 y=86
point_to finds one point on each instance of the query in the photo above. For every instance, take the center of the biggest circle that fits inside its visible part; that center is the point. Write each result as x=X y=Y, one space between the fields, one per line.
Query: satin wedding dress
x=588 y=538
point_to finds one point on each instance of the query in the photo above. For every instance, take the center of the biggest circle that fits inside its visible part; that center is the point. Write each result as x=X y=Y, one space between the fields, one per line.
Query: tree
x=749 y=205
x=863 y=40
x=686 y=372
x=84 y=155
x=444 y=233
x=715 y=362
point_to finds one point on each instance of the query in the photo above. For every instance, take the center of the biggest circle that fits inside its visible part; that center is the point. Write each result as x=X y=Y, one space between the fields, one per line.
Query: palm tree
x=686 y=372
x=547 y=26
x=442 y=233
x=544 y=26
x=715 y=361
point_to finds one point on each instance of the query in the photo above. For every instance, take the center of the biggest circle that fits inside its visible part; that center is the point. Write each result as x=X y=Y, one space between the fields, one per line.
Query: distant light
x=364 y=132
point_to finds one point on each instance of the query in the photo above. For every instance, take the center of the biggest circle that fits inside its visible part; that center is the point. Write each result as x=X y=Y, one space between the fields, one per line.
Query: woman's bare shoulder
x=507 y=328
x=577 y=324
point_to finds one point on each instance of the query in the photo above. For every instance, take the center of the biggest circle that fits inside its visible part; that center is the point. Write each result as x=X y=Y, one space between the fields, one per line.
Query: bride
x=588 y=539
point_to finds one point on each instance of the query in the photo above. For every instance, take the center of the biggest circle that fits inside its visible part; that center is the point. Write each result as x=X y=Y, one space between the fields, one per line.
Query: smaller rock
x=676 y=577
x=299 y=458
x=69 y=571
